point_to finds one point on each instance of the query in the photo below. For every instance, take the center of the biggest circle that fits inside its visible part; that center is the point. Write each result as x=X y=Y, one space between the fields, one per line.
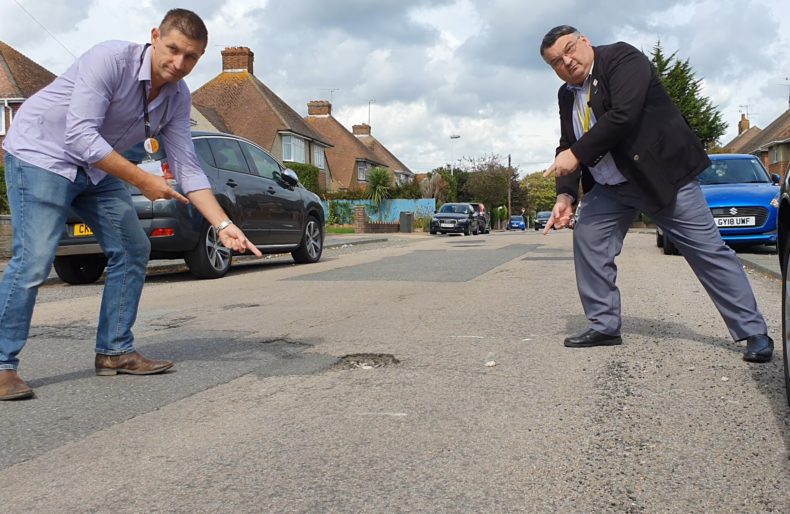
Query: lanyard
x=151 y=145
x=585 y=121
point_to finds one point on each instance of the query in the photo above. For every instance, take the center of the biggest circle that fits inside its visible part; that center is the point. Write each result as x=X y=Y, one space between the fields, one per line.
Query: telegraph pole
x=509 y=184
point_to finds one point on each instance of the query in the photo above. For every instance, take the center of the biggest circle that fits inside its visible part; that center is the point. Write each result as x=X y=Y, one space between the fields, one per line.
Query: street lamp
x=452 y=137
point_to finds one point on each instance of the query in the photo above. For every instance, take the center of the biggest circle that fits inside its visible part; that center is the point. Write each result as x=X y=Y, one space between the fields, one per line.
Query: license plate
x=81 y=230
x=447 y=225
x=740 y=221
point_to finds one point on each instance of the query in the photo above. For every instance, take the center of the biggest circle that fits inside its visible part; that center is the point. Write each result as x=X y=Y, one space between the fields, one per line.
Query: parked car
x=456 y=217
x=783 y=249
x=516 y=223
x=260 y=195
x=743 y=198
x=485 y=220
x=541 y=218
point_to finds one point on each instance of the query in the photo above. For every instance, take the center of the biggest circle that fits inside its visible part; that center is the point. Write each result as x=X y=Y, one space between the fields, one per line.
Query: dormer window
x=293 y=148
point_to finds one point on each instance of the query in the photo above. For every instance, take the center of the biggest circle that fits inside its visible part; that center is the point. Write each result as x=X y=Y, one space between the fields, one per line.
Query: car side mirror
x=290 y=177
x=775 y=178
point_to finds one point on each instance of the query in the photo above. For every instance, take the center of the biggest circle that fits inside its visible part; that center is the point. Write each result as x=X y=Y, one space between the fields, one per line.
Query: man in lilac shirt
x=63 y=151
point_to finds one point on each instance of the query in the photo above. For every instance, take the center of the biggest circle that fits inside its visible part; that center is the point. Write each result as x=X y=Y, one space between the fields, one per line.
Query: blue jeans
x=40 y=202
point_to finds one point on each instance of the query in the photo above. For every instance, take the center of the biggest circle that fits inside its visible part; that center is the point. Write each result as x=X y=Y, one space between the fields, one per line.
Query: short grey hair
x=554 y=34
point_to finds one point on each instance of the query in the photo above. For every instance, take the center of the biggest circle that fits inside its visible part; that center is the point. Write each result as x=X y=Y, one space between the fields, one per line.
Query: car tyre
x=312 y=244
x=786 y=322
x=669 y=246
x=80 y=269
x=209 y=259
x=659 y=239
x=467 y=230
x=433 y=232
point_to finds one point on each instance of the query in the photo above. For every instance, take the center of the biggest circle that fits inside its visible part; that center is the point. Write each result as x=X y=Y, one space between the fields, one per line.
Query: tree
x=684 y=89
x=489 y=181
x=378 y=189
x=541 y=192
x=4 y=209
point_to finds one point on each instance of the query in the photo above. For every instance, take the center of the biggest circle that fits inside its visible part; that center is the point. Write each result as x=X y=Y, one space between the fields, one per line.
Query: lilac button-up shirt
x=97 y=106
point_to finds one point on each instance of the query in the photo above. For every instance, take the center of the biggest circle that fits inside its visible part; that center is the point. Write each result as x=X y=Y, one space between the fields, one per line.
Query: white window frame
x=293 y=148
x=775 y=154
x=318 y=157
x=3 y=109
x=362 y=171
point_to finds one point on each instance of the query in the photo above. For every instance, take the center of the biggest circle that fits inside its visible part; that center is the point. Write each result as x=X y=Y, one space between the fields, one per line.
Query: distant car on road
x=541 y=218
x=743 y=198
x=484 y=222
x=516 y=223
x=258 y=193
x=456 y=218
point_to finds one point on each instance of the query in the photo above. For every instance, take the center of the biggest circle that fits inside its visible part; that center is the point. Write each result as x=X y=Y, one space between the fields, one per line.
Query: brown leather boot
x=12 y=387
x=131 y=363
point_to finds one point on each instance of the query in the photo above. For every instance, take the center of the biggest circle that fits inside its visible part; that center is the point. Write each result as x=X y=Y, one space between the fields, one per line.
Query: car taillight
x=163 y=232
x=166 y=173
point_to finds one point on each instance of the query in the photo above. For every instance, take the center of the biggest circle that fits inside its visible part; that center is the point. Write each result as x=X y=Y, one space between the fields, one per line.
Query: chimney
x=361 y=130
x=743 y=125
x=237 y=58
x=319 y=108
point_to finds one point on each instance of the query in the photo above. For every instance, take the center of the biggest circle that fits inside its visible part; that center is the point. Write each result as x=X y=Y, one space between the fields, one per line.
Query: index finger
x=549 y=224
x=549 y=171
x=251 y=247
x=172 y=193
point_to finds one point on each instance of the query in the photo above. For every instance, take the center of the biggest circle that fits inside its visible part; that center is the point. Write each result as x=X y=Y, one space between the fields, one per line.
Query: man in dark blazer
x=632 y=150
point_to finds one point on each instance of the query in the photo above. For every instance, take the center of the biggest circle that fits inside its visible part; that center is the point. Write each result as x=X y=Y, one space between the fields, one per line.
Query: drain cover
x=366 y=361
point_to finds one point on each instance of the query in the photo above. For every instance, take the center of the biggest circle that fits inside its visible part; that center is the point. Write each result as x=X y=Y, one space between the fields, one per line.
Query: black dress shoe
x=592 y=338
x=759 y=348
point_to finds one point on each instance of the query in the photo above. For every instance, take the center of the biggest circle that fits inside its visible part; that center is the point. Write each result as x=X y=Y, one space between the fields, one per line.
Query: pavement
x=759 y=259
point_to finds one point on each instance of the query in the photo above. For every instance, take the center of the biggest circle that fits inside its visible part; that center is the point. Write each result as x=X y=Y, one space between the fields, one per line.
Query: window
x=293 y=149
x=228 y=155
x=362 y=171
x=775 y=153
x=263 y=164
x=318 y=156
x=2 y=120
x=204 y=152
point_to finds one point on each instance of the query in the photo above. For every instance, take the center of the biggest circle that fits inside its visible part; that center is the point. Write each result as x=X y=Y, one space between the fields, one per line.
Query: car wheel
x=80 y=269
x=659 y=239
x=312 y=244
x=467 y=230
x=786 y=322
x=209 y=258
x=433 y=232
x=476 y=231
x=669 y=246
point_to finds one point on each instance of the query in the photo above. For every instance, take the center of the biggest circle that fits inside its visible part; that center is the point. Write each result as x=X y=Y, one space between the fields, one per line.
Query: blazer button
x=636 y=157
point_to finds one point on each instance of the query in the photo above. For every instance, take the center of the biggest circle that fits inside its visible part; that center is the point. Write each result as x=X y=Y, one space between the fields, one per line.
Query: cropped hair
x=554 y=34
x=186 y=22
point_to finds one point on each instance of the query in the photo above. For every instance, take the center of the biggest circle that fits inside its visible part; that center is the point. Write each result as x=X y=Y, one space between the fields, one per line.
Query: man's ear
x=155 y=34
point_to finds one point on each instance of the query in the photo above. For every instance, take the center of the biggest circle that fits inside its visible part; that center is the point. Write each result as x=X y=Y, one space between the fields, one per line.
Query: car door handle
x=271 y=190
x=231 y=183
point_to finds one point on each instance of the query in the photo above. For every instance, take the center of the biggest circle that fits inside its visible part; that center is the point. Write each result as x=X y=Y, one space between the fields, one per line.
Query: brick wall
x=363 y=226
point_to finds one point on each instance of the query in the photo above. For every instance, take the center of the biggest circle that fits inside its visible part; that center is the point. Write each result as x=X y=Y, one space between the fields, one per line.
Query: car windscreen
x=734 y=171
x=544 y=214
x=516 y=218
x=450 y=208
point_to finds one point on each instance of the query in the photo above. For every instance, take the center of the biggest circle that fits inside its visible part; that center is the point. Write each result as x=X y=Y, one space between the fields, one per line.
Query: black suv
x=260 y=195
x=484 y=221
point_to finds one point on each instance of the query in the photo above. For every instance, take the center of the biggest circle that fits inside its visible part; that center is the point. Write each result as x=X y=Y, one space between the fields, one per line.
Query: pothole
x=365 y=361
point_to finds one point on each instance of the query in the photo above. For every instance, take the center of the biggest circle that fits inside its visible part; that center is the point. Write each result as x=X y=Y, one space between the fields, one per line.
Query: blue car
x=743 y=198
x=516 y=223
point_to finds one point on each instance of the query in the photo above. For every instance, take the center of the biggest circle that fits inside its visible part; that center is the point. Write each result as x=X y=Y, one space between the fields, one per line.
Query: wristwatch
x=222 y=226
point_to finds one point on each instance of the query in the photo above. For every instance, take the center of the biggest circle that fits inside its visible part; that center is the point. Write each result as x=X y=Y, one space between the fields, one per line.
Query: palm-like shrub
x=378 y=188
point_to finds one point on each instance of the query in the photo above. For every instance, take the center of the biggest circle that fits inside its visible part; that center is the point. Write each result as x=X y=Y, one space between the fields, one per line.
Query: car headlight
x=775 y=202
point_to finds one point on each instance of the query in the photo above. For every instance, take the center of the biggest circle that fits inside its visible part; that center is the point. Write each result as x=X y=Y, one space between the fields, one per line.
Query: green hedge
x=308 y=175
x=4 y=208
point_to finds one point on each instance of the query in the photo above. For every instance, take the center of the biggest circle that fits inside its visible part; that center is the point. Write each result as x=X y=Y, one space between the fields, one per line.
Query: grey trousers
x=604 y=219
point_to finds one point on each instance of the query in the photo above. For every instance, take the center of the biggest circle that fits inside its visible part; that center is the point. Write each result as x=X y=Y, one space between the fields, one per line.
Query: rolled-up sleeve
x=177 y=138
x=95 y=82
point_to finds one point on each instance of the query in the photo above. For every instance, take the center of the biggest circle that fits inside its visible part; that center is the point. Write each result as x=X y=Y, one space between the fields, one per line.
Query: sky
x=420 y=71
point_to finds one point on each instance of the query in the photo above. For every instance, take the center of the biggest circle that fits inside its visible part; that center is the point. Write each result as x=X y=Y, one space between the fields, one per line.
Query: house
x=236 y=101
x=402 y=173
x=349 y=158
x=746 y=135
x=20 y=78
x=771 y=145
